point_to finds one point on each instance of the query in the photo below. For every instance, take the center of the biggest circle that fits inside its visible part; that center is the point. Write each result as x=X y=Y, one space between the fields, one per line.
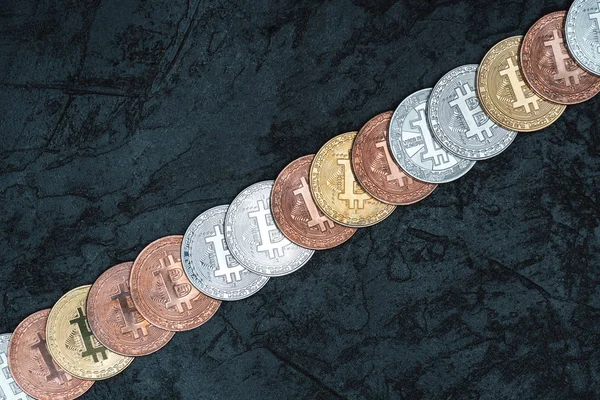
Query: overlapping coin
x=296 y=213
x=376 y=169
x=506 y=97
x=33 y=367
x=208 y=263
x=9 y=390
x=457 y=120
x=255 y=240
x=583 y=34
x=114 y=319
x=161 y=291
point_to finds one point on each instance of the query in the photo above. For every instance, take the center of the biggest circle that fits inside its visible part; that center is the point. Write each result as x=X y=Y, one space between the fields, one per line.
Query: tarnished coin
x=114 y=319
x=72 y=344
x=457 y=120
x=335 y=188
x=414 y=147
x=296 y=213
x=32 y=366
x=377 y=171
x=506 y=97
x=254 y=239
x=583 y=33
x=548 y=67
x=208 y=263
x=9 y=390
x=161 y=291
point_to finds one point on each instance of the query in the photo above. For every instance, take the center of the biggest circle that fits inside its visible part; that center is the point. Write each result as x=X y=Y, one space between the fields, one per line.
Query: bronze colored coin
x=377 y=171
x=296 y=213
x=32 y=366
x=72 y=344
x=505 y=97
x=336 y=190
x=549 y=68
x=163 y=293
x=116 y=322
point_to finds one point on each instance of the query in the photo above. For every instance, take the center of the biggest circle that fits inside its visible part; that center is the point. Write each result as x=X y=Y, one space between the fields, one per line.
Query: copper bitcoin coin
x=116 y=322
x=548 y=66
x=296 y=213
x=161 y=291
x=32 y=366
x=377 y=171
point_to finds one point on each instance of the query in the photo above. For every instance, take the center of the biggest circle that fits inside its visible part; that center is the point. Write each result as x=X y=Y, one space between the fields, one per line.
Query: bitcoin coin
x=583 y=34
x=254 y=239
x=296 y=213
x=548 y=67
x=335 y=188
x=9 y=390
x=377 y=171
x=457 y=120
x=506 y=97
x=32 y=366
x=414 y=147
x=161 y=291
x=72 y=344
x=208 y=263
x=115 y=321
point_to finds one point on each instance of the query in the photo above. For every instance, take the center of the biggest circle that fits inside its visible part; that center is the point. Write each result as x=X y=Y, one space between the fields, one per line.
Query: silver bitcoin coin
x=254 y=239
x=9 y=390
x=208 y=263
x=582 y=30
x=414 y=147
x=457 y=120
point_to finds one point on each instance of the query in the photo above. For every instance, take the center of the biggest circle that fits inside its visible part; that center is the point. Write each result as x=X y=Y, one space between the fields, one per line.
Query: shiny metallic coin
x=457 y=120
x=9 y=390
x=506 y=98
x=548 y=67
x=72 y=344
x=32 y=366
x=161 y=291
x=254 y=239
x=377 y=171
x=583 y=34
x=114 y=319
x=296 y=213
x=208 y=263
x=414 y=147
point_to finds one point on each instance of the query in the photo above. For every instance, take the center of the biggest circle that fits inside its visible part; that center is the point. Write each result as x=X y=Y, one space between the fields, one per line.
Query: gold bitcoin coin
x=73 y=346
x=504 y=94
x=335 y=188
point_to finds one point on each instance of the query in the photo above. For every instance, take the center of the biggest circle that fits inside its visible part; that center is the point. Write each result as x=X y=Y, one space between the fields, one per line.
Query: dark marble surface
x=121 y=120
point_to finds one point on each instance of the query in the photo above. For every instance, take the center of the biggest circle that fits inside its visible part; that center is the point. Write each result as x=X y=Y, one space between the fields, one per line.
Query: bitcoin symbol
x=596 y=16
x=518 y=86
x=265 y=229
x=560 y=59
x=179 y=290
x=128 y=311
x=482 y=132
x=395 y=173
x=352 y=194
x=316 y=219
x=8 y=387
x=55 y=373
x=224 y=258
x=433 y=151
x=86 y=336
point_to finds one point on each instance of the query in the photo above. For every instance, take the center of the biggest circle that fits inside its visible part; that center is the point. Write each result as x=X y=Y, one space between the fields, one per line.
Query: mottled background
x=122 y=120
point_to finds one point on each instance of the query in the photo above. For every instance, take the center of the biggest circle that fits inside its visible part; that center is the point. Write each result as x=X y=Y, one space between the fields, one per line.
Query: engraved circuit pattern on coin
x=296 y=213
x=9 y=390
x=506 y=97
x=376 y=169
x=583 y=33
x=114 y=319
x=72 y=344
x=255 y=240
x=162 y=292
x=457 y=120
x=414 y=147
x=208 y=263
x=32 y=366
x=335 y=188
